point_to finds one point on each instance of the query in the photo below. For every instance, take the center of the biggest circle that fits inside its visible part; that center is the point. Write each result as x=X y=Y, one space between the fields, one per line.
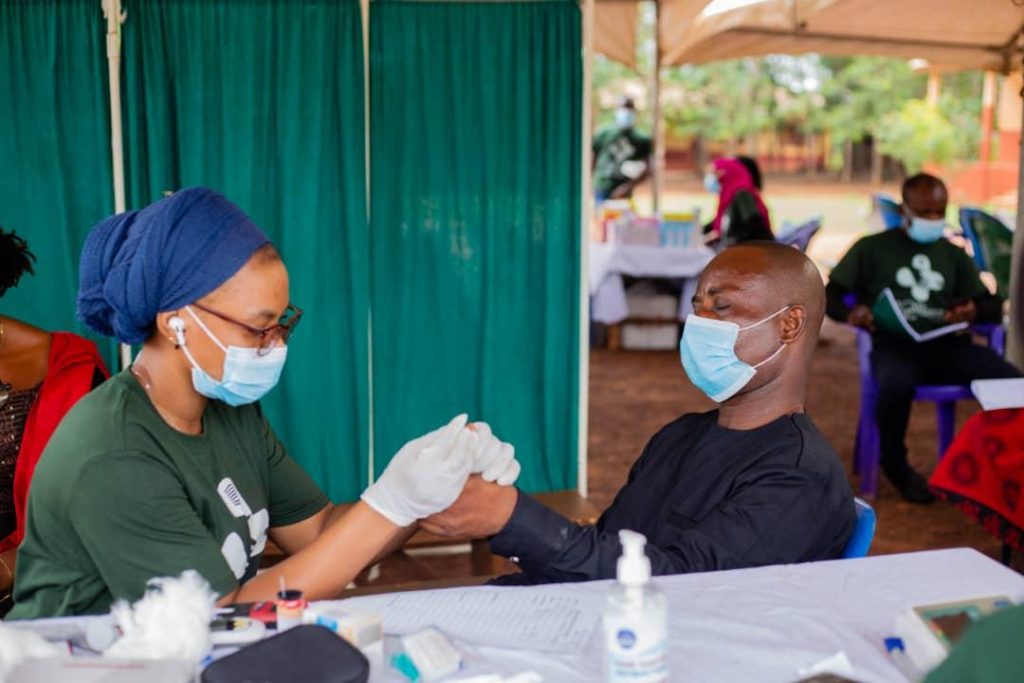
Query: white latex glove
x=493 y=459
x=425 y=476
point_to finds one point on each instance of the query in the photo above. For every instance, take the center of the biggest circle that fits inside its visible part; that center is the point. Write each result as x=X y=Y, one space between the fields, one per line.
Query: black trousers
x=900 y=366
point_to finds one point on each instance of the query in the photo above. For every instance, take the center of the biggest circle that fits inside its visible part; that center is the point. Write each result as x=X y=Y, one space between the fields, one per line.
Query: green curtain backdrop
x=263 y=101
x=475 y=179
x=55 y=169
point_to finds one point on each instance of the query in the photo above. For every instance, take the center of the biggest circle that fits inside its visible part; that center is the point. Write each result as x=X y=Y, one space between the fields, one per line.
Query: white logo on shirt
x=924 y=282
x=233 y=551
x=233 y=548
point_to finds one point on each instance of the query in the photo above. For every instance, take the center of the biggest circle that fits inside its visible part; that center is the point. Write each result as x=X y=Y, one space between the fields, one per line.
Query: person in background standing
x=42 y=374
x=621 y=156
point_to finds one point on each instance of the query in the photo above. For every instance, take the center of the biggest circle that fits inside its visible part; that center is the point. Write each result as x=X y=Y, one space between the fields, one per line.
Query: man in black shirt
x=752 y=483
x=934 y=283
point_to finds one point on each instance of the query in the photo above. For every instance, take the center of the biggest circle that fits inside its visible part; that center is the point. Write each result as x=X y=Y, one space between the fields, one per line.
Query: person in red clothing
x=42 y=374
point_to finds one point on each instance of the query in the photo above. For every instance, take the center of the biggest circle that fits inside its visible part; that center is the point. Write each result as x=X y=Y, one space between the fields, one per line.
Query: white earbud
x=178 y=325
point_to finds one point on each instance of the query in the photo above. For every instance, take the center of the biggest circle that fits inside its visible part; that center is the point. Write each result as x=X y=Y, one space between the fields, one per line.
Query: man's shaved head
x=774 y=283
x=773 y=276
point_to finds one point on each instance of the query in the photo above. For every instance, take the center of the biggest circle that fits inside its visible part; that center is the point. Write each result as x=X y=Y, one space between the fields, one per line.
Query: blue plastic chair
x=800 y=236
x=863 y=532
x=991 y=244
x=867 y=447
x=889 y=209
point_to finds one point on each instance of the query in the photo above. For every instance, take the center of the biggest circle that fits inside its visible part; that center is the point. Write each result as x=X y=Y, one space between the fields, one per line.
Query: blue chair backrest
x=863 y=532
x=800 y=236
x=889 y=208
x=992 y=243
x=967 y=215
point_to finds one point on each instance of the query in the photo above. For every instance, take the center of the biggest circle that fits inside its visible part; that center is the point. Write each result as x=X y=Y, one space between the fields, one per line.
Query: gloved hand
x=425 y=477
x=493 y=459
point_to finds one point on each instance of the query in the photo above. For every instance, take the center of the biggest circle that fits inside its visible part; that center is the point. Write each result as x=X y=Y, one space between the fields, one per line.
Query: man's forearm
x=543 y=542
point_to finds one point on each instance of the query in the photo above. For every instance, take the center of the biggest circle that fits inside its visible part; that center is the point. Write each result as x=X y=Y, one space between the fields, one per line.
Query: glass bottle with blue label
x=635 y=619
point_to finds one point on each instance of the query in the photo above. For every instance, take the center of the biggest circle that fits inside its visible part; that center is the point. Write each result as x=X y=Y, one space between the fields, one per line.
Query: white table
x=609 y=262
x=766 y=624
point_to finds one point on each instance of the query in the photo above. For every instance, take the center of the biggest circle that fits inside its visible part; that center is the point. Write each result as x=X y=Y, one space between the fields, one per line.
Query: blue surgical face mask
x=247 y=376
x=625 y=118
x=926 y=231
x=711 y=183
x=708 y=352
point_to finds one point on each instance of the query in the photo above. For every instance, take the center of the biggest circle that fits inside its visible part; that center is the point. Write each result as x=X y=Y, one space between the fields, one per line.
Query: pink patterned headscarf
x=734 y=177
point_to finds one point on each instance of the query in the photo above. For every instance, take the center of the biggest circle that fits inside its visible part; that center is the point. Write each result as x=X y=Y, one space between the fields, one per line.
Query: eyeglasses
x=269 y=336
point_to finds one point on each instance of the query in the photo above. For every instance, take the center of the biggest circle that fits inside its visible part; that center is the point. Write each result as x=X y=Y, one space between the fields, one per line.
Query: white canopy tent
x=954 y=34
x=969 y=34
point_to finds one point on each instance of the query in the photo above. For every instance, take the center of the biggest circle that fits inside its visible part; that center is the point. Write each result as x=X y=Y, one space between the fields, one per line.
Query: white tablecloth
x=609 y=262
x=766 y=624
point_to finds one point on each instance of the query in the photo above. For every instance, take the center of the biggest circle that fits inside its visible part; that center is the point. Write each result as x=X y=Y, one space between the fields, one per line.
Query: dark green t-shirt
x=990 y=652
x=119 y=497
x=613 y=146
x=926 y=279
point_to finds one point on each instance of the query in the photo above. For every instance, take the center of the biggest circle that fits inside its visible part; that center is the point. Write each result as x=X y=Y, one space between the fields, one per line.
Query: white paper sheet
x=553 y=621
x=996 y=394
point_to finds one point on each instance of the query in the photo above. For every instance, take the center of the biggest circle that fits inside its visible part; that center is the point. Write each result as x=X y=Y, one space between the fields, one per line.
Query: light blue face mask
x=625 y=118
x=711 y=183
x=247 y=376
x=708 y=352
x=926 y=231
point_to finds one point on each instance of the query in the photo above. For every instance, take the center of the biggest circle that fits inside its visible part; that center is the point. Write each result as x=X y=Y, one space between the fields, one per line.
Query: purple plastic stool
x=867 y=448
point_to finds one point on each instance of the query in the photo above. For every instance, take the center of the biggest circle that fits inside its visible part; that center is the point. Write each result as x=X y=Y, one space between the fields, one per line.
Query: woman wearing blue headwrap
x=170 y=465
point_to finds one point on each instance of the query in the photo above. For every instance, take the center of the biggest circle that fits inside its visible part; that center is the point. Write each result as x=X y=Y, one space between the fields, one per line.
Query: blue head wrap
x=175 y=251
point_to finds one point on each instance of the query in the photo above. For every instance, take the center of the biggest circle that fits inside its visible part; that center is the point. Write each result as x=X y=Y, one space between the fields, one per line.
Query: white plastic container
x=635 y=619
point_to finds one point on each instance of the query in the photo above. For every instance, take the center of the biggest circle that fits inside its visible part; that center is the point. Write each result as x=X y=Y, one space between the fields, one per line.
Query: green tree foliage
x=860 y=92
x=853 y=99
x=916 y=134
x=720 y=101
x=960 y=104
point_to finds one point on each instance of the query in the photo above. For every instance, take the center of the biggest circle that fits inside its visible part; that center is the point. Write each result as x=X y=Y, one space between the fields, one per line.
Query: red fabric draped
x=983 y=471
x=72 y=364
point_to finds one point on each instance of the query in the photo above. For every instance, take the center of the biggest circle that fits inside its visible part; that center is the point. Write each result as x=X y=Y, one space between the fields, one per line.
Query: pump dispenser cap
x=634 y=567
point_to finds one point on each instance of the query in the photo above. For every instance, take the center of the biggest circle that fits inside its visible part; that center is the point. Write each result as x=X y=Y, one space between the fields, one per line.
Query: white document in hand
x=889 y=317
x=996 y=394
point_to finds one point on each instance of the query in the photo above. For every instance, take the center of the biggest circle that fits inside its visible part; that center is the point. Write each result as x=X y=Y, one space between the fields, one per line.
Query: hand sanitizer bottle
x=635 y=619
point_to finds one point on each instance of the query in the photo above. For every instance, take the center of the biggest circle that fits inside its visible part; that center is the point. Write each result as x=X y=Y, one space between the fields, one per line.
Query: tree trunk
x=876 y=163
x=848 y=162
x=730 y=147
x=700 y=155
x=752 y=145
x=810 y=168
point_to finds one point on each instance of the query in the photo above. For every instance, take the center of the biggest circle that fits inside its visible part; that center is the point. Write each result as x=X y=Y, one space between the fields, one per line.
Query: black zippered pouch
x=307 y=653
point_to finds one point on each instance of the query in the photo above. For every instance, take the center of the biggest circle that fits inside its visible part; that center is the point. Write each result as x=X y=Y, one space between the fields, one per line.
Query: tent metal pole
x=586 y=208
x=115 y=17
x=657 y=129
x=364 y=13
x=1015 y=326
